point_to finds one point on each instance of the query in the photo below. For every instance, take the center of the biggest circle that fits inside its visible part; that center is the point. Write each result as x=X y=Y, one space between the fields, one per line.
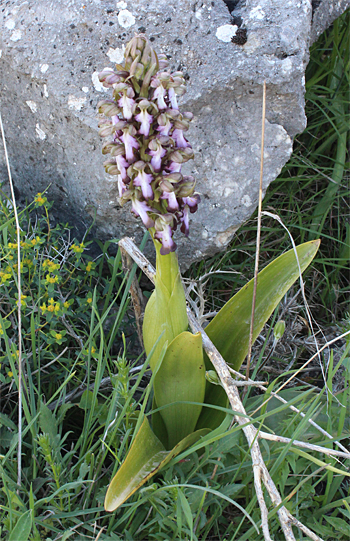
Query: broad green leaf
x=47 y=422
x=166 y=308
x=23 y=528
x=158 y=425
x=229 y=330
x=339 y=525
x=181 y=379
x=88 y=401
x=146 y=457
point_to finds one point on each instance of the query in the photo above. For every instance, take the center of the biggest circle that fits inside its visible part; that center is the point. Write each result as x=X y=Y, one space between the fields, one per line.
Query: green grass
x=72 y=444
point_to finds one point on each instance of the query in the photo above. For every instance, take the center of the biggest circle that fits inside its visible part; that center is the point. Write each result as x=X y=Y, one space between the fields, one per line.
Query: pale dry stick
x=258 y=233
x=302 y=368
x=293 y=408
x=308 y=313
x=259 y=468
x=310 y=446
x=150 y=272
x=19 y=305
x=136 y=294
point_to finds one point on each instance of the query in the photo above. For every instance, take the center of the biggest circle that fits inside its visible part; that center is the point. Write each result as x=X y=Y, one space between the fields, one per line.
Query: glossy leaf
x=166 y=308
x=181 y=379
x=229 y=330
x=146 y=457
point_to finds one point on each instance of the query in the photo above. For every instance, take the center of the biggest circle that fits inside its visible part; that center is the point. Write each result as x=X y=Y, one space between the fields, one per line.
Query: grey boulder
x=51 y=53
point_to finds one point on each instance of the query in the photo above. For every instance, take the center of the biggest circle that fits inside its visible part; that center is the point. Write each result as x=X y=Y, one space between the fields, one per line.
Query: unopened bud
x=279 y=329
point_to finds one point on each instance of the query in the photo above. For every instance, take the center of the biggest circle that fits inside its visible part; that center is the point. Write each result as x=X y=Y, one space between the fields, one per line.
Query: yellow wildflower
x=89 y=300
x=90 y=266
x=39 y=199
x=43 y=308
x=10 y=374
x=58 y=336
x=77 y=249
x=51 y=279
x=66 y=304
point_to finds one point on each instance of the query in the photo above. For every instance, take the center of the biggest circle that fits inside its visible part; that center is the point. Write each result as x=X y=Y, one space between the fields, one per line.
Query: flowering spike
x=146 y=142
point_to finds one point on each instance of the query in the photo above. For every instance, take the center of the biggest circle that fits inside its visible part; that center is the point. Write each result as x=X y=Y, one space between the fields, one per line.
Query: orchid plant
x=146 y=141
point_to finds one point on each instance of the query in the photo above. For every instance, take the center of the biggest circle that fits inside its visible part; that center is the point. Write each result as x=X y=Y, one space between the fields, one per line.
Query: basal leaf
x=146 y=457
x=179 y=380
x=229 y=330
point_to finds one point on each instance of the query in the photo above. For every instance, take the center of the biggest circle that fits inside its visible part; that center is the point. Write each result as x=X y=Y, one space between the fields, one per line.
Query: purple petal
x=128 y=105
x=157 y=156
x=122 y=166
x=121 y=186
x=159 y=95
x=178 y=136
x=164 y=127
x=185 y=229
x=165 y=237
x=140 y=208
x=172 y=201
x=144 y=181
x=192 y=201
x=174 y=167
x=145 y=120
x=172 y=98
x=130 y=143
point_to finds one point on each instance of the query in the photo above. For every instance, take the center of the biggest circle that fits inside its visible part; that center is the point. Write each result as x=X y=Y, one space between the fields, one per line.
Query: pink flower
x=130 y=143
x=144 y=181
x=178 y=137
x=172 y=98
x=159 y=95
x=140 y=208
x=157 y=152
x=122 y=166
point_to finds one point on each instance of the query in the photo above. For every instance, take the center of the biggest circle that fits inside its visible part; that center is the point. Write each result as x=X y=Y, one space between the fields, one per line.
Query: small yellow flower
x=10 y=374
x=13 y=245
x=23 y=302
x=36 y=241
x=77 y=249
x=66 y=304
x=90 y=266
x=4 y=277
x=43 y=308
x=51 y=279
x=58 y=336
x=51 y=308
x=39 y=199
x=93 y=350
x=57 y=307
x=89 y=300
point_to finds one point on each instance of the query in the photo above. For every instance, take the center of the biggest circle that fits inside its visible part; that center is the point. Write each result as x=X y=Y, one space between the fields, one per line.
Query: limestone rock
x=51 y=53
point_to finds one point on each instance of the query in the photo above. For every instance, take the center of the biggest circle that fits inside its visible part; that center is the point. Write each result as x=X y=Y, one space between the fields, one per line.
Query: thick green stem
x=166 y=309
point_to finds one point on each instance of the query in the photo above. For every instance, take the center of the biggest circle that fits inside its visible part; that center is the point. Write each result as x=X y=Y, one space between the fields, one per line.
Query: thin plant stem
x=19 y=305
x=258 y=233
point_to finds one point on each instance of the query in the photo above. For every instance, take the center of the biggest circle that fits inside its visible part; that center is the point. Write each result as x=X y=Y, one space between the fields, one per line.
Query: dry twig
x=19 y=306
x=258 y=233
